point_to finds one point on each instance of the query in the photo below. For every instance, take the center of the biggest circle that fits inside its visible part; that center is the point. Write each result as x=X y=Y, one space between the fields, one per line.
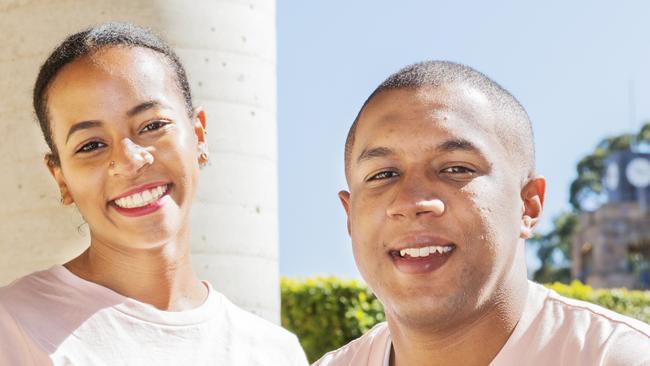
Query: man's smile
x=424 y=251
x=420 y=253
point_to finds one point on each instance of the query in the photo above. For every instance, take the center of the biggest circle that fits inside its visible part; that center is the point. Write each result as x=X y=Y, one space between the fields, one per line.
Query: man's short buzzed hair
x=514 y=123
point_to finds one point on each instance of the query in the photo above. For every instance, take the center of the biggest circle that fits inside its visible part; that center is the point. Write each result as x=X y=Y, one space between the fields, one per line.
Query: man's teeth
x=424 y=252
x=141 y=198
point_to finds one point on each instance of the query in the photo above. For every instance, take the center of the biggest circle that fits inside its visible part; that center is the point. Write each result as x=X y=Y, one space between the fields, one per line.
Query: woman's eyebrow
x=143 y=107
x=83 y=125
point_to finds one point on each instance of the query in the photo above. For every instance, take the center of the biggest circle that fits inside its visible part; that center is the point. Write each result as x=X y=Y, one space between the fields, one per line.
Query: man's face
x=435 y=208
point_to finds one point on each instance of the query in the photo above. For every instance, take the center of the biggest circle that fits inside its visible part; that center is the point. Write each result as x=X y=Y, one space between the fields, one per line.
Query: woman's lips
x=142 y=202
x=139 y=189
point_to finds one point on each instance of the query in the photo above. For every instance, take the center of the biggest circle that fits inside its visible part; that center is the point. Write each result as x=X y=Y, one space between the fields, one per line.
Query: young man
x=442 y=195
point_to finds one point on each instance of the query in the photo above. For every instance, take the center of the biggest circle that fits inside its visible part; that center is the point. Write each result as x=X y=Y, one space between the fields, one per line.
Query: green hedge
x=327 y=312
x=629 y=302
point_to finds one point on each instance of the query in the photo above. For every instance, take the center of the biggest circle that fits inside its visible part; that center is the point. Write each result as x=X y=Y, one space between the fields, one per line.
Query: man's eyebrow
x=375 y=152
x=82 y=126
x=446 y=146
x=457 y=144
x=143 y=107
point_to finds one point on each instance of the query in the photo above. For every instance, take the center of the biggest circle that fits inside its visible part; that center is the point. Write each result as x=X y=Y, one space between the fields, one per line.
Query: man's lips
x=423 y=253
x=419 y=241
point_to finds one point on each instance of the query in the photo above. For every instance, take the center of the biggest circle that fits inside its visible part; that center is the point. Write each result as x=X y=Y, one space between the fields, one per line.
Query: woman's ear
x=200 y=124
x=54 y=167
x=201 y=135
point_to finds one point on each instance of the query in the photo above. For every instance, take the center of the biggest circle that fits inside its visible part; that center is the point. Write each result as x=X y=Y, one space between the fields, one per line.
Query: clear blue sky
x=578 y=67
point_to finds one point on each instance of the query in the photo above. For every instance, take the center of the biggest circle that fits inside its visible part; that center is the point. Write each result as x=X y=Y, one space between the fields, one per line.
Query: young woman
x=126 y=145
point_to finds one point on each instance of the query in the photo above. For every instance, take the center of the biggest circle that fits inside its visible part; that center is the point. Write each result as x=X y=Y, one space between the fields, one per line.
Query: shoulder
x=595 y=333
x=27 y=292
x=253 y=332
x=370 y=346
x=48 y=305
x=18 y=345
x=596 y=317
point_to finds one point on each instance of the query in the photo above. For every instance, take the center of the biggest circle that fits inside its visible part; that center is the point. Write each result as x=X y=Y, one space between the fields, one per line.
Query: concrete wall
x=229 y=50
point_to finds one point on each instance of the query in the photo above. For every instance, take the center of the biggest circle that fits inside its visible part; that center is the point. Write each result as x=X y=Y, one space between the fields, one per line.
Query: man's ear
x=201 y=134
x=532 y=196
x=55 y=170
x=344 y=196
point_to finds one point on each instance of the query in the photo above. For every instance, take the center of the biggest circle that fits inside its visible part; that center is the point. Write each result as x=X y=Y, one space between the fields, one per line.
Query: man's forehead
x=453 y=109
x=457 y=97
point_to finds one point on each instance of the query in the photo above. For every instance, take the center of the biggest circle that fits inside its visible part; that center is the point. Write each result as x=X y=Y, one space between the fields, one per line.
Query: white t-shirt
x=53 y=317
x=552 y=331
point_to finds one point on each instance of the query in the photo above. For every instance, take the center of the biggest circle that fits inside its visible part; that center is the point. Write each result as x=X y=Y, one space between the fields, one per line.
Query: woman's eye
x=384 y=175
x=91 y=146
x=154 y=126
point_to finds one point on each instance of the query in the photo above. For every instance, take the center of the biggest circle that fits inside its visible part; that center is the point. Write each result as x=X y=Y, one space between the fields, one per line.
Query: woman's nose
x=129 y=158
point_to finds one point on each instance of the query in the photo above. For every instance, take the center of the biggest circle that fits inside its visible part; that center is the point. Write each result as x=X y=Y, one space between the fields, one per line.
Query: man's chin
x=426 y=311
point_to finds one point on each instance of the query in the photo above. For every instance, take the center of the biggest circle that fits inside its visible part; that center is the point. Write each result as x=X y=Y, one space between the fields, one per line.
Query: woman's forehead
x=132 y=64
x=109 y=81
x=114 y=69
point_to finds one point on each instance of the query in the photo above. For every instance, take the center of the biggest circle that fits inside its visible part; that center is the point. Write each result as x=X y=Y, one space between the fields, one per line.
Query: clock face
x=638 y=172
x=611 y=176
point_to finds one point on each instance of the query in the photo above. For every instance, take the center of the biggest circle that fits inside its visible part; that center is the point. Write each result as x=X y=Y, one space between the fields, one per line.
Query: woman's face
x=129 y=152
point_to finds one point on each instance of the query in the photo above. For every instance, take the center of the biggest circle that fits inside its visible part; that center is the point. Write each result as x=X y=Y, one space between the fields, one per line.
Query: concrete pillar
x=229 y=50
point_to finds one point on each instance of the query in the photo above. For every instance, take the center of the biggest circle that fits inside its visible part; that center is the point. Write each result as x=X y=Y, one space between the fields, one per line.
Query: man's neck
x=162 y=277
x=474 y=342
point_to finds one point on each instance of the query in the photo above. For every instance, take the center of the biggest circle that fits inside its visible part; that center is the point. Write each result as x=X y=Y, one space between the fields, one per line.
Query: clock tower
x=627 y=177
x=612 y=245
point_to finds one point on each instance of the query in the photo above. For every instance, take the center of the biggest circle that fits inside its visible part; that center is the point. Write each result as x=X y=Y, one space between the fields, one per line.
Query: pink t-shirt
x=553 y=330
x=56 y=318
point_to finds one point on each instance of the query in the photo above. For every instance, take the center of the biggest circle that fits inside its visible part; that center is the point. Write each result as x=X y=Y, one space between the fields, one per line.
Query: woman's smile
x=142 y=200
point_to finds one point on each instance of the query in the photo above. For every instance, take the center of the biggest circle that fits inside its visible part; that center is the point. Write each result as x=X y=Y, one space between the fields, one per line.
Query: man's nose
x=129 y=158
x=415 y=197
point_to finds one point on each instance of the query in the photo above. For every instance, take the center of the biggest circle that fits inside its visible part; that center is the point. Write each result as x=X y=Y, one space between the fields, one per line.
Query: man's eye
x=91 y=146
x=154 y=126
x=384 y=175
x=459 y=170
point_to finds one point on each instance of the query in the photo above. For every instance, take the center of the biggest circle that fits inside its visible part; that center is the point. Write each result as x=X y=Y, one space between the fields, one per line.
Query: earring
x=111 y=164
x=204 y=155
x=63 y=201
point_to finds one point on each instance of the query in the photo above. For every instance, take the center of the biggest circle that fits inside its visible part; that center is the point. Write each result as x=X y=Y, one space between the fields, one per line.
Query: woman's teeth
x=424 y=252
x=141 y=198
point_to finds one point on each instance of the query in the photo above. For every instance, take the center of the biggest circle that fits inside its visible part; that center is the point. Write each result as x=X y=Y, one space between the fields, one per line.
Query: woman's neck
x=161 y=276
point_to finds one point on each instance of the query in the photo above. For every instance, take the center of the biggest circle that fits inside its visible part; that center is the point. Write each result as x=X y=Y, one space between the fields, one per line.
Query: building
x=612 y=245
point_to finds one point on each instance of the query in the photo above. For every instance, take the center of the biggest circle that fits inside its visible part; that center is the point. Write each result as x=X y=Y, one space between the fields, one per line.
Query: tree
x=587 y=187
x=586 y=192
x=554 y=249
